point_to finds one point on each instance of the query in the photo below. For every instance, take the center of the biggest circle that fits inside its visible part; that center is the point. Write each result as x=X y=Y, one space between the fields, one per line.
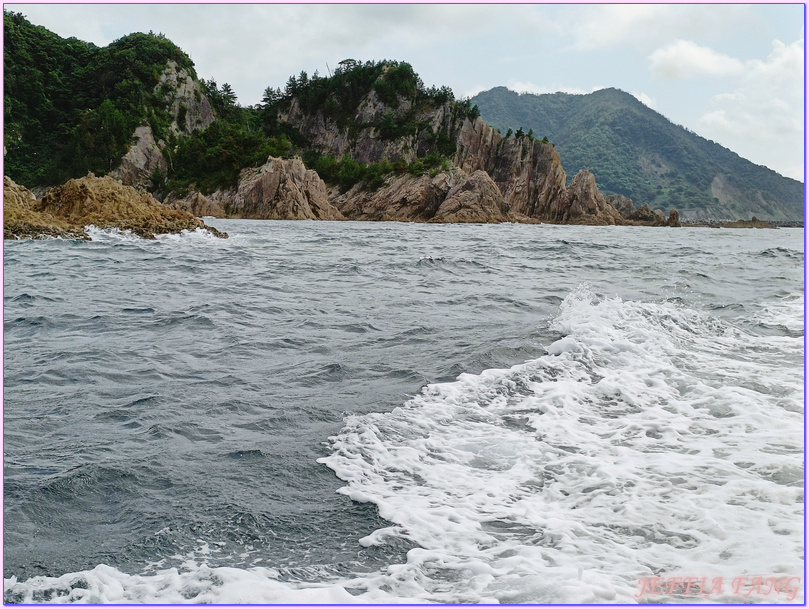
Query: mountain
x=636 y=152
x=370 y=142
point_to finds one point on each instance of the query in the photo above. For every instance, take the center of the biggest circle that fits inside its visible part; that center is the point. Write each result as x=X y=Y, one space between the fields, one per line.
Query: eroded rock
x=22 y=218
x=143 y=158
x=281 y=189
x=102 y=202
x=475 y=198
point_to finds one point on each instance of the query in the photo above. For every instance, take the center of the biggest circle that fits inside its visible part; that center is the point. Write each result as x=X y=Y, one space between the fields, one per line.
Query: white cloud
x=686 y=59
x=646 y=100
x=762 y=119
x=612 y=26
x=529 y=87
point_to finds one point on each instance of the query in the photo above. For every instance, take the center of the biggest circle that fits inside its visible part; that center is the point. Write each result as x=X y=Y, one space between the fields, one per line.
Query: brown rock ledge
x=65 y=210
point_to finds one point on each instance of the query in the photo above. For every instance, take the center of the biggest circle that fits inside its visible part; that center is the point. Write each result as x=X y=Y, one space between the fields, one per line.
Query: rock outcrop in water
x=23 y=219
x=278 y=190
x=449 y=196
x=642 y=216
x=65 y=211
x=491 y=178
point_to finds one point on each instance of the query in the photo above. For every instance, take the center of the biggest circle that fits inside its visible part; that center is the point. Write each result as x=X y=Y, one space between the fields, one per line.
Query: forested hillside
x=71 y=107
x=244 y=137
x=637 y=152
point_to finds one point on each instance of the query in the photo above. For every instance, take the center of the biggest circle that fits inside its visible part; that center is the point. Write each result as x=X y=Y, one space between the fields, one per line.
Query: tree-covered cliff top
x=72 y=108
x=337 y=96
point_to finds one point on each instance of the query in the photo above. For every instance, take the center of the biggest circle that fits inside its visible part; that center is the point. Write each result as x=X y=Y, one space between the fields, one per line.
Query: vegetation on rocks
x=338 y=96
x=72 y=108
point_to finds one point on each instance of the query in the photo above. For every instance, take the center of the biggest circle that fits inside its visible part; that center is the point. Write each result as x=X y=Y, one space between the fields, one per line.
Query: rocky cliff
x=189 y=110
x=485 y=177
x=492 y=178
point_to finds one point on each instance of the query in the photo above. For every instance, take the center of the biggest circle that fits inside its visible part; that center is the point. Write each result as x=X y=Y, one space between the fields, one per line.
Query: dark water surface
x=169 y=400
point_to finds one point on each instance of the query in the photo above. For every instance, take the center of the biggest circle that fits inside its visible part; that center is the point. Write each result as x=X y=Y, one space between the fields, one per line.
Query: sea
x=395 y=413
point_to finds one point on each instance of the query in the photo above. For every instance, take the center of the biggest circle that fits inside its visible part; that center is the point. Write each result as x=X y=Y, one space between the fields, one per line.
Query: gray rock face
x=190 y=111
x=586 y=205
x=475 y=199
x=189 y=107
x=624 y=205
x=367 y=145
x=528 y=174
x=141 y=160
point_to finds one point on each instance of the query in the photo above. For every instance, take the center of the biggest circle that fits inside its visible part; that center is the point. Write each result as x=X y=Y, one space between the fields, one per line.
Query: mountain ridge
x=637 y=152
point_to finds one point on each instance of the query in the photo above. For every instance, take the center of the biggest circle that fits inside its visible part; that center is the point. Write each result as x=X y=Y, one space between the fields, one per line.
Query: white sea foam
x=116 y=235
x=193 y=583
x=652 y=441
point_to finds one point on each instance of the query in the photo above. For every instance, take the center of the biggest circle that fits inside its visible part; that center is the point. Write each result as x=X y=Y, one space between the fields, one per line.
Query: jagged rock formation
x=528 y=173
x=476 y=197
x=674 y=218
x=642 y=216
x=278 y=190
x=103 y=202
x=187 y=103
x=449 y=196
x=586 y=205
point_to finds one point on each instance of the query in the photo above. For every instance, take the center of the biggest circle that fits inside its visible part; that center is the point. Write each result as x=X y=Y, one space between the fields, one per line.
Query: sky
x=732 y=73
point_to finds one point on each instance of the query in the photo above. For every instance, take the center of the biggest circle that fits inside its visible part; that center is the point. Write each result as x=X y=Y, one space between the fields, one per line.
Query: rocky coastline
x=442 y=164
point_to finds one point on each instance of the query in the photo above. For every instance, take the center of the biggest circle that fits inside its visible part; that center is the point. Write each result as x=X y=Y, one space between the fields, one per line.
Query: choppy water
x=515 y=414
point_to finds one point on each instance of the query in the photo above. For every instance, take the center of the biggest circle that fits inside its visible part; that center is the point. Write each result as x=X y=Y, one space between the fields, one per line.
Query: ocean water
x=314 y=412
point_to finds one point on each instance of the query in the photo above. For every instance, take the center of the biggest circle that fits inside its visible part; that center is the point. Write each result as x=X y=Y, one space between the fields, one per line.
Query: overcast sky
x=731 y=73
